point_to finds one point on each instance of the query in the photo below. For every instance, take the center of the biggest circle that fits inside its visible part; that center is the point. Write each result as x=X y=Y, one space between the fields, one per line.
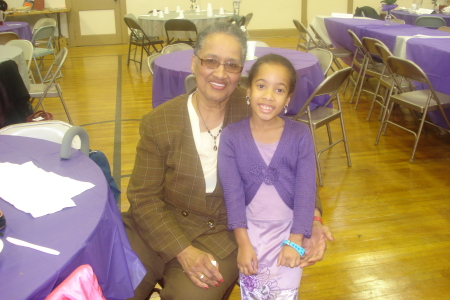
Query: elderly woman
x=177 y=221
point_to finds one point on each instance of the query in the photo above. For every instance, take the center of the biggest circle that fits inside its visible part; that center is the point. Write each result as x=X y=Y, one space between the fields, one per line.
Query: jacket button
x=210 y=223
x=185 y=213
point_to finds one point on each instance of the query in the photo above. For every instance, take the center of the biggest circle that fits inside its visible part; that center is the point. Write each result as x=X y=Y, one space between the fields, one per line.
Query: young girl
x=267 y=170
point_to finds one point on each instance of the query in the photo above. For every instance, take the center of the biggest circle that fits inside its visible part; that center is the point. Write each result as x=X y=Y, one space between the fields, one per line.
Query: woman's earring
x=285 y=109
x=248 y=100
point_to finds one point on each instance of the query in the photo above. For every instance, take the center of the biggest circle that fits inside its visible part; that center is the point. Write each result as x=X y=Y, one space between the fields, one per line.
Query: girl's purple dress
x=269 y=222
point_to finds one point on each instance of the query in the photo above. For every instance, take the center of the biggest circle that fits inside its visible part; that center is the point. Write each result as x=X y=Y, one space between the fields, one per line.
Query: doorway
x=98 y=22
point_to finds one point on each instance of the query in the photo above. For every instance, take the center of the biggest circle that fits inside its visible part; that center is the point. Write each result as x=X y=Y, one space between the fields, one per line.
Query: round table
x=154 y=25
x=16 y=54
x=22 y=29
x=91 y=233
x=171 y=69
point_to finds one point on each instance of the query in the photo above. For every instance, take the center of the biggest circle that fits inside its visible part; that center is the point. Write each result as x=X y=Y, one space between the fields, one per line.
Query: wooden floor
x=390 y=218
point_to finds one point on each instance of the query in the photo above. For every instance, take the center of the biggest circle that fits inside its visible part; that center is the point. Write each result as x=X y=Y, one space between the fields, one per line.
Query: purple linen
x=90 y=233
x=388 y=34
x=435 y=65
x=387 y=7
x=410 y=18
x=420 y=50
x=22 y=29
x=171 y=69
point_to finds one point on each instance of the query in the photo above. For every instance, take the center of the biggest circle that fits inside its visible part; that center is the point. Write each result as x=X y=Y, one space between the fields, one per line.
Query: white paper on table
x=340 y=15
x=35 y=191
x=401 y=41
x=424 y=11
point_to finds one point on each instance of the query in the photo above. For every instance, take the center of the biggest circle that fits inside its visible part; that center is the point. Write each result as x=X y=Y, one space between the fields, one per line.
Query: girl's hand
x=246 y=260
x=288 y=257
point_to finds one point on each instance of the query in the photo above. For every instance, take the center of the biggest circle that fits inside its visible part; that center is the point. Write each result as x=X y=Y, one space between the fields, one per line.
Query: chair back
x=444 y=28
x=175 y=47
x=132 y=22
x=407 y=69
x=305 y=36
x=320 y=41
x=371 y=50
x=151 y=59
x=398 y=21
x=52 y=131
x=44 y=22
x=5 y=37
x=331 y=85
x=243 y=81
x=27 y=48
x=248 y=18
x=430 y=22
x=180 y=25
x=190 y=83
x=44 y=33
x=325 y=58
x=383 y=51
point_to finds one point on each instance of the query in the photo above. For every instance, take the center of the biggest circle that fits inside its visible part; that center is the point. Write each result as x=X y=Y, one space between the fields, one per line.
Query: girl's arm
x=289 y=257
x=246 y=258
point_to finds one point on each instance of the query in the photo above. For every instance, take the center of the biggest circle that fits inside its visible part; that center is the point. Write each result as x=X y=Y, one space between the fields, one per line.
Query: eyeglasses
x=211 y=63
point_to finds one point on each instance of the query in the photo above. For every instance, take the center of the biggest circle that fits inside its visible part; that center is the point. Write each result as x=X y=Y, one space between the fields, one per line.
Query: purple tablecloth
x=90 y=233
x=22 y=29
x=410 y=18
x=171 y=69
x=432 y=55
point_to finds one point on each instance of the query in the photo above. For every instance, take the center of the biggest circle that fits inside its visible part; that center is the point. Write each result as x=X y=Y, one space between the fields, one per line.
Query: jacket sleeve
x=156 y=223
x=305 y=185
x=231 y=181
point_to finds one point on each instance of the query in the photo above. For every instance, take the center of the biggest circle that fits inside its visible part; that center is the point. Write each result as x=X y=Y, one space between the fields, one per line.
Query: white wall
x=325 y=8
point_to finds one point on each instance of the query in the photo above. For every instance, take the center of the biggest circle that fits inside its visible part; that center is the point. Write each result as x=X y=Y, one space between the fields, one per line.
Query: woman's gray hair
x=226 y=28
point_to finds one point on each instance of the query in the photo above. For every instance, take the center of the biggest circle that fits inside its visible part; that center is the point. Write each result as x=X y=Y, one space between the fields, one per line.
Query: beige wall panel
x=325 y=8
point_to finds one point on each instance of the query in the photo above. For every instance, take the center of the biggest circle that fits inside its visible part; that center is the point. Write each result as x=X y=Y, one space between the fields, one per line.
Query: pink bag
x=82 y=284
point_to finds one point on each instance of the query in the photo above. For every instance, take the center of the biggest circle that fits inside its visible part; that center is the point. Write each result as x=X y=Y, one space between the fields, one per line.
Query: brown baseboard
x=273 y=32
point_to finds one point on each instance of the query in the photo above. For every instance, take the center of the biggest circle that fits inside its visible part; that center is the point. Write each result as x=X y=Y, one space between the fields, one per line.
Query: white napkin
x=178 y=9
x=155 y=12
x=35 y=191
x=209 y=13
x=424 y=11
x=161 y=14
x=209 y=7
x=221 y=11
x=197 y=9
x=181 y=15
x=339 y=15
x=166 y=10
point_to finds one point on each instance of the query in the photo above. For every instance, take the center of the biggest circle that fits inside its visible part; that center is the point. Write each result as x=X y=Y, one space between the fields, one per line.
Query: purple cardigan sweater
x=292 y=171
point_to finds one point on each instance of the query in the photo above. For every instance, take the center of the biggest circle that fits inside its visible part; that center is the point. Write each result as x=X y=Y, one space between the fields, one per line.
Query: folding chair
x=364 y=66
x=421 y=101
x=261 y=44
x=27 y=49
x=190 y=83
x=175 y=47
x=398 y=21
x=248 y=18
x=444 y=28
x=430 y=22
x=41 y=23
x=151 y=59
x=305 y=40
x=52 y=88
x=337 y=52
x=7 y=36
x=325 y=58
x=377 y=47
x=324 y=115
x=185 y=26
x=45 y=36
x=138 y=38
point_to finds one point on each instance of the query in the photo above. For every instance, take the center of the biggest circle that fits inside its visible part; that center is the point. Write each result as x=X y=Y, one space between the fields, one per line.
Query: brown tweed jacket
x=167 y=196
x=168 y=205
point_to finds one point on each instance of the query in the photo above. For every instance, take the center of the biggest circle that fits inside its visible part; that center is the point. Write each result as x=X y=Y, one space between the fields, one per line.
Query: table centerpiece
x=388 y=5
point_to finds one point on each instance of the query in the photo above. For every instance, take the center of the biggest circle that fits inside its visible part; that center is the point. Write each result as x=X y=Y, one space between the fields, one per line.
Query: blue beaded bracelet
x=299 y=249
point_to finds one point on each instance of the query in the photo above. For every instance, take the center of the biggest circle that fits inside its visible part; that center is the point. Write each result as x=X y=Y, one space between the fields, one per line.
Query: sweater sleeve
x=305 y=185
x=231 y=181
